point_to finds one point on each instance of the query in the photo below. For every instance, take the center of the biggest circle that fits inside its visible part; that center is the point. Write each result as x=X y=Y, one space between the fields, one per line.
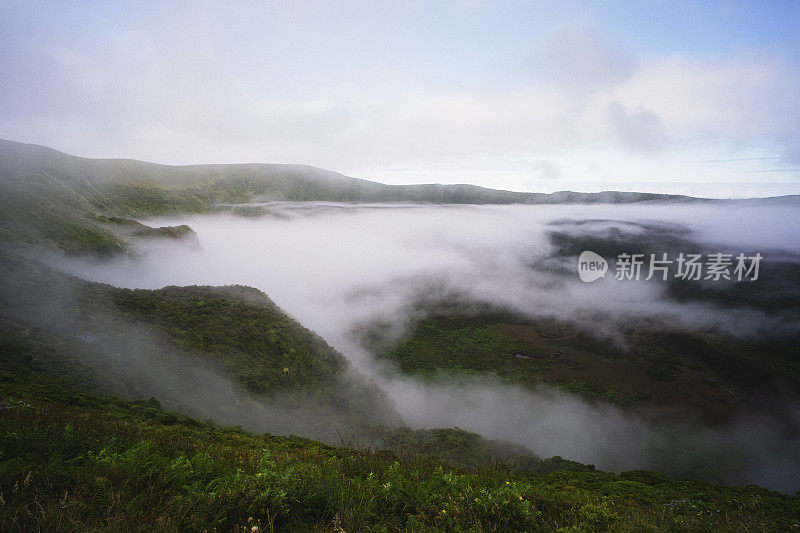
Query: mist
x=333 y=266
x=136 y=361
x=337 y=267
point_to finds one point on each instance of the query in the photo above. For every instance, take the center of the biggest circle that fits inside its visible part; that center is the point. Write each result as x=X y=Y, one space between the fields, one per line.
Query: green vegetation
x=647 y=366
x=75 y=219
x=258 y=344
x=462 y=343
x=95 y=462
x=82 y=447
x=180 y=340
x=78 y=452
x=462 y=448
x=68 y=202
x=169 y=232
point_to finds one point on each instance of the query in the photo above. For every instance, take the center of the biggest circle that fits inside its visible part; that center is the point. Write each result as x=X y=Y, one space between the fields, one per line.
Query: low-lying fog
x=337 y=266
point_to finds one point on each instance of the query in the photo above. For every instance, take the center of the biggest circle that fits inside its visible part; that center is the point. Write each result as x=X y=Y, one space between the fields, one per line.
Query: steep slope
x=222 y=353
x=75 y=456
x=226 y=354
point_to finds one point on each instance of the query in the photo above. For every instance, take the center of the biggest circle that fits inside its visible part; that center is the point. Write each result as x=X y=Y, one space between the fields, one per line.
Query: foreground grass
x=69 y=467
x=75 y=457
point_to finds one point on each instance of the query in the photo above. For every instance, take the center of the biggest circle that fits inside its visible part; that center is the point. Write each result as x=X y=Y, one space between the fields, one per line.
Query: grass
x=74 y=455
x=232 y=342
x=651 y=366
x=461 y=343
x=78 y=452
x=75 y=193
x=259 y=345
x=68 y=467
x=80 y=220
x=474 y=344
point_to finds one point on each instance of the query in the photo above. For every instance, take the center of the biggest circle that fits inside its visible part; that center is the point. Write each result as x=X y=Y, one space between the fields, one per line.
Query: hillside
x=713 y=375
x=223 y=354
x=78 y=204
x=130 y=465
x=178 y=408
x=83 y=448
x=89 y=440
x=207 y=184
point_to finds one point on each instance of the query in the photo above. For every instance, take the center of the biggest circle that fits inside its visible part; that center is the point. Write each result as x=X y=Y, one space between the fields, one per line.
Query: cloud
x=639 y=130
x=546 y=170
x=484 y=253
x=745 y=98
x=581 y=59
x=171 y=91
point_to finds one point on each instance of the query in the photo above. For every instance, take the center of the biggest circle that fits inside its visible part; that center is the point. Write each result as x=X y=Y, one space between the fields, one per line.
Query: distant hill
x=77 y=204
x=242 y=182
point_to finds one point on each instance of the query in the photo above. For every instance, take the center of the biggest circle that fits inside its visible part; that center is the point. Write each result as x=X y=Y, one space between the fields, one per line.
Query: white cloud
x=580 y=59
x=738 y=98
x=638 y=130
x=593 y=111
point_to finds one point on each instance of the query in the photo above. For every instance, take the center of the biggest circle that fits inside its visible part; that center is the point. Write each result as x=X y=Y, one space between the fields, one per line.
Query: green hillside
x=74 y=456
x=714 y=375
x=162 y=409
x=227 y=354
x=82 y=446
x=716 y=378
x=130 y=466
x=82 y=205
x=133 y=184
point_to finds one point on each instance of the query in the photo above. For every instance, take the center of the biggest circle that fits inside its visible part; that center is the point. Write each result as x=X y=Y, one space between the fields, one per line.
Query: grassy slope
x=236 y=331
x=259 y=345
x=48 y=197
x=280 y=182
x=66 y=201
x=716 y=377
x=75 y=458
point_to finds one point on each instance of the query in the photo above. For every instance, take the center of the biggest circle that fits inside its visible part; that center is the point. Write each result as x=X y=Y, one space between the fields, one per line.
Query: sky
x=666 y=96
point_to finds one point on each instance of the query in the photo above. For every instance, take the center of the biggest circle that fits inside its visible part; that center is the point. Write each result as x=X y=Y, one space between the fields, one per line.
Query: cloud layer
x=404 y=102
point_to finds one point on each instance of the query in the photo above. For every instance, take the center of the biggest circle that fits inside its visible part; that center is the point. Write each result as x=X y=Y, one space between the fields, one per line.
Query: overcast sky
x=669 y=96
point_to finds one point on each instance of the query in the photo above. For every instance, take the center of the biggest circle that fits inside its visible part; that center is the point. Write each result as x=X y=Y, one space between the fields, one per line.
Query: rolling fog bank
x=335 y=267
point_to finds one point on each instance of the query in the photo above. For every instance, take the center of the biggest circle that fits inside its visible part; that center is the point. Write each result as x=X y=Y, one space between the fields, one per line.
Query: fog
x=337 y=267
x=333 y=266
x=138 y=361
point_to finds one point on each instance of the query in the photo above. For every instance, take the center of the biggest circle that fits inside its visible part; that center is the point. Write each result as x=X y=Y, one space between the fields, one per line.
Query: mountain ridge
x=19 y=160
x=78 y=204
